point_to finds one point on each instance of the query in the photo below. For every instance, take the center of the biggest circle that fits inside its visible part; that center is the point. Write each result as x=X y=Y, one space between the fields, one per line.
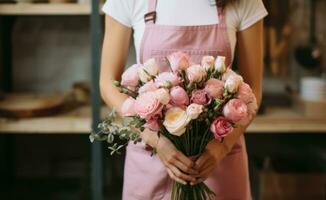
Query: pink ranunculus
x=178 y=61
x=221 y=127
x=152 y=124
x=195 y=73
x=130 y=76
x=245 y=93
x=207 y=62
x=233 y=82
x=179 y=96
x=214 y=88
x=147 y=87
x=199 y=97
x=167 y=79
x=148 y=105
x=127 y=108
x=235 y=110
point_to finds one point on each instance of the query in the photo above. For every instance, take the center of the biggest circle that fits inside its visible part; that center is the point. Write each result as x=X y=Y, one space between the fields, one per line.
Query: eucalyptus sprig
x=117 y=133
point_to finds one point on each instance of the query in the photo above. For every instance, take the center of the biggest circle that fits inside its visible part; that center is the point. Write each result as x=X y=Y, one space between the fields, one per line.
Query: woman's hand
x=178 y=166
x=206 y=163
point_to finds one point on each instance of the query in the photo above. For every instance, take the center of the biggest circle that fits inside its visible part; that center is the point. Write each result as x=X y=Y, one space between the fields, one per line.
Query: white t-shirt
x=239 y=15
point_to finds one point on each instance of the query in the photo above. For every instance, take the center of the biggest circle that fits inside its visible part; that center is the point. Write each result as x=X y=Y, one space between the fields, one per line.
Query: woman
x=198 y=28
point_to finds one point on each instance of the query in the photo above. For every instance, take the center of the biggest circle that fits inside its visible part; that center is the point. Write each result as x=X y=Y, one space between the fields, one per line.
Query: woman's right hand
x=178 y=166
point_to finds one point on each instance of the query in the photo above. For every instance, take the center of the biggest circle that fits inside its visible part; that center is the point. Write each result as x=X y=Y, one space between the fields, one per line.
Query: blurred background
x=49 y=102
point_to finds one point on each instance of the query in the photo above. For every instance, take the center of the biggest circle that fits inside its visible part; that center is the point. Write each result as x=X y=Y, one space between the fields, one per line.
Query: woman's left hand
x=206 y=163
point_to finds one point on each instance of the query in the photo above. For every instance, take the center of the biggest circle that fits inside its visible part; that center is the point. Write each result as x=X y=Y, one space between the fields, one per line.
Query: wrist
x=150 y=138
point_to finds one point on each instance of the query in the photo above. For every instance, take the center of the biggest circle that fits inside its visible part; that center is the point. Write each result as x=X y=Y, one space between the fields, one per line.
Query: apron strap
x=221 y=17
x=150 y=16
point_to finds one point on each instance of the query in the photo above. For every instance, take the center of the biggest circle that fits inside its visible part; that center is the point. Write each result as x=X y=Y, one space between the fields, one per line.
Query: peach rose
x=233 y=82
x=148 y=70
x=163 y=95
x=207 y=62
x=194 y=110
x=195 y=73
x=245 y=93
x=176 y=120
x=220 y=64
x=214 y=88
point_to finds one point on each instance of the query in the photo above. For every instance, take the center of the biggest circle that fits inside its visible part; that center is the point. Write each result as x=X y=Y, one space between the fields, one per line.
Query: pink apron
x=145 y=177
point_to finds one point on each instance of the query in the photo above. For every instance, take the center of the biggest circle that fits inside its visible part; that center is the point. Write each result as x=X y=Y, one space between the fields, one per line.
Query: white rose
x=176 y=120
x=220 y=64
x=194 y=110
x=148 y=70
x=163 y=95
x=232 y=83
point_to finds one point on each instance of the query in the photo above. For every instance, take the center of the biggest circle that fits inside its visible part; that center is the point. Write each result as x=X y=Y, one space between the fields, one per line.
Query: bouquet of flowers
x=191 y=105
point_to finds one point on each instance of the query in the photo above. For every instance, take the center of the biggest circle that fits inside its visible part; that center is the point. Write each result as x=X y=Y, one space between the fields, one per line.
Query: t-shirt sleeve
x=120 y=10
x=250 y=12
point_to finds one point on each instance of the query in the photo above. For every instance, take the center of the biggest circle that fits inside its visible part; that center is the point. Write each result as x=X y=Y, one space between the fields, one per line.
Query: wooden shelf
x=276 y=120
x=286 y=120
x=45 y=9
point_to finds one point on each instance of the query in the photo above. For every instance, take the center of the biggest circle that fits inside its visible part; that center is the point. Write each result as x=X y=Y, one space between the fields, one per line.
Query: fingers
x=174 y=177
x=185 y=168
x=184 y=159
x=201 y=161
x=179 y=174
x=204 y=174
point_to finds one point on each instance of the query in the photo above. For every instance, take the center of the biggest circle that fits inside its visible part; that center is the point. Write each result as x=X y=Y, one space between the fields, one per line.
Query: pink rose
x=245 y=93
x=207 y=62
x=199 y=97
x=130 y=76
x=178 y=61
x=221 y=127
x=214 y=88
x=127 y=108
x=235 y=110
x=167 y=79
x=195 y=73
x=152 y=124
x=147 y=105
x=179 y=96
x=233 y=82
x=147 y=87
x=252 y=108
